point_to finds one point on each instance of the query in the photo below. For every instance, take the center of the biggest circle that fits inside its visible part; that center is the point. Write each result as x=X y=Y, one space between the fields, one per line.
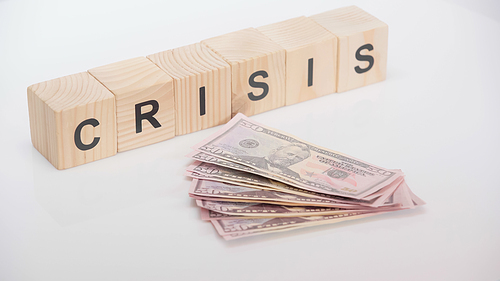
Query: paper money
x=220 y=190
x=249 y=179
x=214 y=172
x=284 y=156
x=234 y=210
x=210 y=171
x=238 y=228
x=217 y=172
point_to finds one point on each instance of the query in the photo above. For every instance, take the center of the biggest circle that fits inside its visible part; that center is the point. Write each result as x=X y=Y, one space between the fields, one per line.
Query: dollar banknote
x=237 y=193
x=249 y=179
x=234 y=210
x=235 y=171
x=213 y=172
x=292 y=160
x=221 y=173
x=231 y=172
x=239 y=228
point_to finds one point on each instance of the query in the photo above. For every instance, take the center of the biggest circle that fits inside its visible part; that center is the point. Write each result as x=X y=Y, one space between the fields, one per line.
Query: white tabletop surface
x=129 y=217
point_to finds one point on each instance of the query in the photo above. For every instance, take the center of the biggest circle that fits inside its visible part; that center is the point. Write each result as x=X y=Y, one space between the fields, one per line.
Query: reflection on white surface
x=98 y=188
x=89 y=191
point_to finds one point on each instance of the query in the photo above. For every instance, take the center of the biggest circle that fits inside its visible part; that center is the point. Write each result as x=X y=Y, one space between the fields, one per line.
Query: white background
x=129 y=217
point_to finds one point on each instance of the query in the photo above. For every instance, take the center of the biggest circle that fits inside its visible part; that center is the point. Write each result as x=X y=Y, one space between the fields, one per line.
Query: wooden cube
x=72 y=120
x=145 y=111
x=257 y=67
x=202 y=86
x=311 y=57
x=362 y=46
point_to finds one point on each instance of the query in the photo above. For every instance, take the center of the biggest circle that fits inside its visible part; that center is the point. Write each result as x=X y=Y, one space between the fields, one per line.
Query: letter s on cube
x=362 y=46
x=257 y=70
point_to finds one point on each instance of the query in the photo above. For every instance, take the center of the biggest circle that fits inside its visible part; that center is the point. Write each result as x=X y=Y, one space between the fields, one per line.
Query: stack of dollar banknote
x=249 y=179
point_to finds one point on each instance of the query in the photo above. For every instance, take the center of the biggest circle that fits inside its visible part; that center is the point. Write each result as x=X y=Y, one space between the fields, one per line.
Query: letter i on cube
x=311 y=57
x=202 y=86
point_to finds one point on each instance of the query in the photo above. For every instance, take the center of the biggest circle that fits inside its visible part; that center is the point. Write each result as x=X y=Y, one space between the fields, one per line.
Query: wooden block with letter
x=362 y=46
x=144 y=101
x=72 y=120
x=202 y=86
x=257 y=67
x=311 y=57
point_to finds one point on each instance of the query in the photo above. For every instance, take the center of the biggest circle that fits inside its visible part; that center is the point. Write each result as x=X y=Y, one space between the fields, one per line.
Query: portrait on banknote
x=294 y=161
x=279 y=159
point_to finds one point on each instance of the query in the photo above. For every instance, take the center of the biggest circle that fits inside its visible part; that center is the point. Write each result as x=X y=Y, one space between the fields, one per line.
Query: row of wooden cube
x=83 y=117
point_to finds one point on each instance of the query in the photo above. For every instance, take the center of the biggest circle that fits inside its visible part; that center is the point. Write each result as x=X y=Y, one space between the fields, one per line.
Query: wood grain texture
x=249 y=51
x=58 y=106
x=193 y=67
x=135 y=81
x=304 y=39
x=355 y=28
